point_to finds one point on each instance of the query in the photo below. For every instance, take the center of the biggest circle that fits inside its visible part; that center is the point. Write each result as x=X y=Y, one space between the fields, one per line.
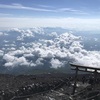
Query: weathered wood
x=74 y=87
x=94 y=70
x=87 y=67
x=84 y=70
x=95 y=75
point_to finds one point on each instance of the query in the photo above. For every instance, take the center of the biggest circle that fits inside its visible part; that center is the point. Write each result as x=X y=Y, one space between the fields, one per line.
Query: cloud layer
x=38 y=48
x=69 y=23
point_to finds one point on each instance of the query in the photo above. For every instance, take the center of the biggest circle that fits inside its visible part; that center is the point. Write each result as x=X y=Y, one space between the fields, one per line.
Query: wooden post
x=95 y=75
x=74 y=87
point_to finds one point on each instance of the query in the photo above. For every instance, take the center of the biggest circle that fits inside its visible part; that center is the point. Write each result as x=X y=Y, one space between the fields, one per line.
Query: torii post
x=83 y=69
x=75 y=83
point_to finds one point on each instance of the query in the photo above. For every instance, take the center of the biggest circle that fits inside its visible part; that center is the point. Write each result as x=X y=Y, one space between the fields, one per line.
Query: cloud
x=32 y=64
x=1 y=33
x=19 y=6
x=27 y=33
x=10 y=49
x=96 y=39
x=22 y=33
x=40 y=50
x=53 y=34
x=8 y=64
x=12 y=61
x=28 y=55
x=38 y=30
x=91 y=59
x=52 y=52
x=73 y=11
x=16 y=53
x=55 y=63
x=20 y=61
x=5 y=14
x=15 y=30
x=45 y=6
x=41 y=8
x=8 y=58
x=1 y=53
x=6 y=41
x=39 y=61
x=69 y=23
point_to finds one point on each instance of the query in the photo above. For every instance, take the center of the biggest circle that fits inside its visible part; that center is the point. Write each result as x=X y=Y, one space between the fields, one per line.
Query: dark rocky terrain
x=51 y=86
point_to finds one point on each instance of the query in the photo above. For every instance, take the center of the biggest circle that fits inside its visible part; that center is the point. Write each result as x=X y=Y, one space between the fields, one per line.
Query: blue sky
x=50 y=8
x=16 y=10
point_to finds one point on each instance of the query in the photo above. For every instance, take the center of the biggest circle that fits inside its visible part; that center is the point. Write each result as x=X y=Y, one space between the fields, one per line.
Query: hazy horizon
x=79 y=15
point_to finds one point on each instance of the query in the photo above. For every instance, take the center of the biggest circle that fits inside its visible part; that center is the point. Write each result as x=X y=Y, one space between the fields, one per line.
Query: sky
x=58 y=13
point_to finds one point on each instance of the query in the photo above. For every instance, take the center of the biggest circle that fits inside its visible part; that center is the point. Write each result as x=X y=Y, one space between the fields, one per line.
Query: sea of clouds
x=36 y=47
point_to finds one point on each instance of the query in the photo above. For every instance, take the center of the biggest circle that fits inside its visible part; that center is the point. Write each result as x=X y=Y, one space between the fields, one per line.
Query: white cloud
x=12 y=48
x=12 y=61
x=54 y=34
x=27 y=33
x=45 y=6
x=19 y=6
x=38 y=61
x=8 y=64
x=13 y=45
x=55 y=63
x=1 y=53
x=32 y=65
x=28 y=55
x=16 y=52
x=69 y=10
x=15 y=30
x=62 y=48
x=6 y=41
x=37 y=30
x=1 y=33
x=23 y=33
x=96 y=39
x=5 y=14
x=19 y=38
x=50 y=54
x=42 y=8
x=92 y=59
x=8 y=58
x=19 y=61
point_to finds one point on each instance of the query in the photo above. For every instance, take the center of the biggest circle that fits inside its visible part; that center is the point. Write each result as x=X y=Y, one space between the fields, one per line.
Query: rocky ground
x=51 y=86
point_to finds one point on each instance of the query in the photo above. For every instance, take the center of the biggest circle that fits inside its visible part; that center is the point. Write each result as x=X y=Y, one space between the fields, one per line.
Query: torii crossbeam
x=76 y=67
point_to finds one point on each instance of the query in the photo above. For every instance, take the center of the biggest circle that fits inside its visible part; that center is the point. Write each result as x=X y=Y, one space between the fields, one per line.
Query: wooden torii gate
x=83 y=69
